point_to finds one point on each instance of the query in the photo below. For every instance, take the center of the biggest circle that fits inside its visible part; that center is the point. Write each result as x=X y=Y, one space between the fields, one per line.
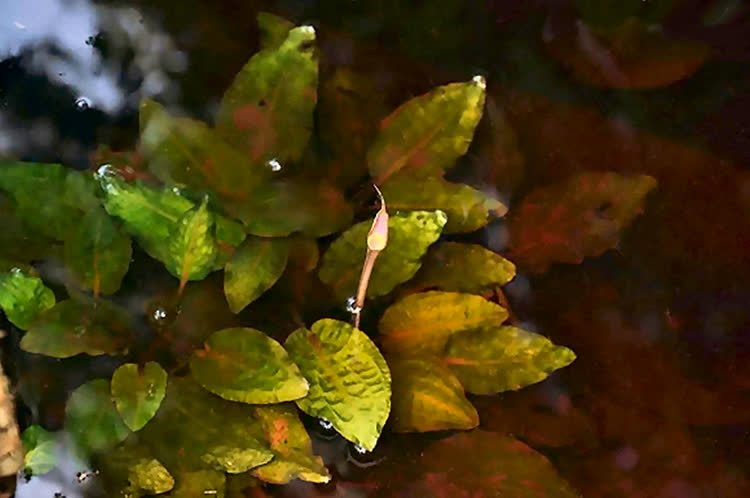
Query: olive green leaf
x=187 y=152
x=409 y=236
x=200 y=483
x=500 y=359
x=40 y=448
x=72 y=327
x=428 y=397
x=428 y=133
x=18 y=241
x=284 y=207
x=291 y=445
x=273 y=30
x=138 y=393
x=268 y=109
x=192 y=245
x=230 y=234
x=23 y=296
x=467 y=209
x=350 y=385
x=457 y=267
x=246 y=365
x=92 y=420
x=130 y=470
x=98 y=253
x=423 y=322
x=253 y=269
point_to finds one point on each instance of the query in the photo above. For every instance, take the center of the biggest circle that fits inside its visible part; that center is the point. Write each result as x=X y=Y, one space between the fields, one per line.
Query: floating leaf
x=138 y=393
x=73 y=327
x=253 y=269
x=580 y=218
x=467 y=209
x=23 y=296
x=427 y=396
x=427 y=134
x=91 y=418
x=40 y=448
x=273 y=30
x=98 y=253
x=500 y=359
x=350 y=385
x=192 y=246
x=457 y=267
x=291 y=445
x=130 y=470
x=423 y=322
x=199 y=483
x=268 y=109
x=246 y=365
x=409 y=236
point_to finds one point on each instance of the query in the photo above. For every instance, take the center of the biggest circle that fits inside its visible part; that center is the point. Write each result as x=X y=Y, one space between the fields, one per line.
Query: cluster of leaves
x=229 y=197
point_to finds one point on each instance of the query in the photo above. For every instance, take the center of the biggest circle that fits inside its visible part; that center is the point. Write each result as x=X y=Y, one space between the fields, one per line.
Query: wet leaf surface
x=350 y=385
x=422 y=323
x=72 y=327
x=579 y=218
x=246 y=365
x=138 y=393
x=409 y=236
x=40 y=448
x=23 y=296
x=253 y=269
x=458 y=267
x=192 y=245
x=427 y=134
x=506 y=358
x=427 y=396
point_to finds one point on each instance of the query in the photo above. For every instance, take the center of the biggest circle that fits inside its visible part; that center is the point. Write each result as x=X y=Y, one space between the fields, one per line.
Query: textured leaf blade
x=40 y=450
x=138 y=393
x=192 y=245
x=409 y=236
x=427 y=134
x=423 y=322
x=350 y=384
x=253 y=269
x=131 y=470
x=91 y=418
x=246 y=365
x=505 y=358
x=23 y=297
x=427 y=396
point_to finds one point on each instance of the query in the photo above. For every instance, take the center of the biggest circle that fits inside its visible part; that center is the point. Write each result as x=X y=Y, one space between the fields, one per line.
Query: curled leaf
x=253 y=269
x=138 y=393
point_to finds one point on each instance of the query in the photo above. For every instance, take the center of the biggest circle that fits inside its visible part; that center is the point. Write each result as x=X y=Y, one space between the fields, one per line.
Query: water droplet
x=16 y=270
x=274 y=164
x=150 y=392
x=160 y=314
x=479 y=81
x=104 y=170
x=351 y=305
x=325 y=424
x=176 y=190
x=359 y=449
x=82 y=103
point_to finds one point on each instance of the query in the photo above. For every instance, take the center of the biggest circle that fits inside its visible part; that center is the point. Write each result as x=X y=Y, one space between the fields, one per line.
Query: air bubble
x=479 y=81
x=351 y=305
x=274 y=165
x=325 y=424
x=359 y=449
x=160 y=314
x=82 y=103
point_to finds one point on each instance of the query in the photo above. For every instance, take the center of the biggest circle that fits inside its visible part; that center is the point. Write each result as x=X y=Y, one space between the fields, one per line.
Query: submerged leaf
x=131 y=470
x=138 y=393
x=246 y=365
x=40 y=449
x=91 y=418
x=467 y=208
x=582 y=217
x=409 y=236
x=457 y=267
x=253 y=269
x=268 y=109
x=18 y=241
x=273 y=29
x=200 y=483
x=73 y=327
x=427 y=134
x=23 y=296
x=192 y=245
x=505 y=358
x=350 y=384
x=427 y=396
x=422 y=323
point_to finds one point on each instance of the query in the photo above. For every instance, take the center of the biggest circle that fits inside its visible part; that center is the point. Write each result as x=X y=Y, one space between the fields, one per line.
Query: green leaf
x=229 y=232
x=73 y=327
x=98 y=253
x=200 y=483
x=253 y=269
x=18 y=241
x=138 y=393
x=428 y=397
x=291 y=445
x=501 y=359
x=246 y=365
x=23 y=296
x=92 y=420
x=268 y=109
x=187 y=152
x=409 y=236
x=350 y=385
x=40 y=448
x=130 y=470
x=467 y=208
x=192 y=246
x=457 y=267
x=427 y=134
x=423 y=323
x=273 y=30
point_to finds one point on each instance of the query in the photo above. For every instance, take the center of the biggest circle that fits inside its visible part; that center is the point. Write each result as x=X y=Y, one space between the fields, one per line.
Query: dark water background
x=657 y=403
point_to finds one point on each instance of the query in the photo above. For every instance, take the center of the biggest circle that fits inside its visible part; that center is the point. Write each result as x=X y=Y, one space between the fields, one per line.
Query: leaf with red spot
x=192 y=246
x=580 y=218
x=268 y=109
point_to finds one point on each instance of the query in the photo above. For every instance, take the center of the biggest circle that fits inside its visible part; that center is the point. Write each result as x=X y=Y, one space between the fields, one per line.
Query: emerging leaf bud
x=377 y=239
